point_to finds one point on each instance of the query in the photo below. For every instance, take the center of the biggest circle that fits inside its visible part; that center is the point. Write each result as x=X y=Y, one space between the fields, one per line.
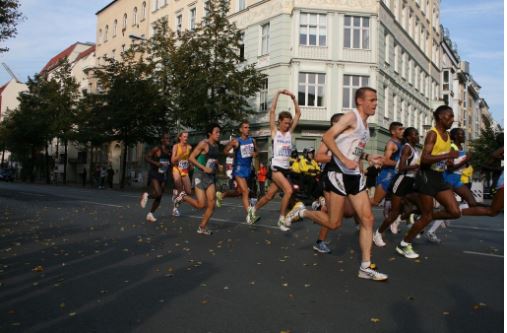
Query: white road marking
x=231 y=222
x=484 y=254
x=129 y=196
x=101 y=204
x=454 y=226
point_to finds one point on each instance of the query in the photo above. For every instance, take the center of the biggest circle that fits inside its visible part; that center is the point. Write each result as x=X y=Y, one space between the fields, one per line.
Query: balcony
x=313 y=52
x=314 y=113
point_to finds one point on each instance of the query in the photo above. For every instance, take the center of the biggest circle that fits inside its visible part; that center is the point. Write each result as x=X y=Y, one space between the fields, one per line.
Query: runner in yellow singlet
x=181 y=167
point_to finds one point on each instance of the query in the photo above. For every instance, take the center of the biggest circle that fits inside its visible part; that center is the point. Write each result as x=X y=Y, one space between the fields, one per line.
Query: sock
x=403 y=243
x=319 y=241
x=281 y=218
x=435 y=225
x=365 y=264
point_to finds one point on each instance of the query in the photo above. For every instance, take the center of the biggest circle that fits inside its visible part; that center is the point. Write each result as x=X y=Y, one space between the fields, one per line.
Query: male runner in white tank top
x=347 y=140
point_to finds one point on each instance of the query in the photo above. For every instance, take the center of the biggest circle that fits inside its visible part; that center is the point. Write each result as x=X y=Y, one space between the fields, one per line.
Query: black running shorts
x=403 y=185
x=430 y=182
x=343 y=184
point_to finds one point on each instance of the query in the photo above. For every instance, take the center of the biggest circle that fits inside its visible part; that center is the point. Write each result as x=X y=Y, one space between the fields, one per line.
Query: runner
x=497 y=203
x=429 y=181
x=282 y=148
x=403 y=184
x=452 y=176
x=181 y=167
x=205 y=159
x=325 y=157
x=391 y=156
x=347 y=140
x=245 y=149
x=159 y=160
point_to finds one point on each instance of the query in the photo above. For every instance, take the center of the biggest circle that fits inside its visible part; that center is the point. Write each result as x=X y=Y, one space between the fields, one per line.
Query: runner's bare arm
x=174 y=155
x=405 y=153
x=323 y=155
x=296 y=108
x=345 y=122
x=149 y=157
x=272 y=116
x=429 y=143
x=201 y=147
x=232 y=144
x=390 y=150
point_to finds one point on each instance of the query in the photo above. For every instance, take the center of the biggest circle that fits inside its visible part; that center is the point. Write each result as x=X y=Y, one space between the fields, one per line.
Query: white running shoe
x=176 y=212
x=377 y=239
x=204 y=231
x=394 y=226
x=282 y=225
x=175 y=194
x=295 y=213
x=432 y=238
x=371 y=273
x=250 y=215
x=150 y=218
x=407 y=251
x=144 y=200
x=179 y=198
x=220 y=198
x=316 y=205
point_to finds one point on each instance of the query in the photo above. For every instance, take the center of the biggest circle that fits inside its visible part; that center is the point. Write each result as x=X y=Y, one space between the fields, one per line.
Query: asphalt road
x=84 y=260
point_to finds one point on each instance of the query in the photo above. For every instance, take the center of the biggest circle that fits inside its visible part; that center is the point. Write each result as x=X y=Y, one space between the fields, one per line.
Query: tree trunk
x=57 y=161
x=123 y=165
x=66 y=144
x=3 y=154
x=46 y=155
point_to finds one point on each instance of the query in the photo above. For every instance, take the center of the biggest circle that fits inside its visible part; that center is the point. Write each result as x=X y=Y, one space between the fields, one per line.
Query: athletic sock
x=435 y=225
x=365 y=264
x=403 y=243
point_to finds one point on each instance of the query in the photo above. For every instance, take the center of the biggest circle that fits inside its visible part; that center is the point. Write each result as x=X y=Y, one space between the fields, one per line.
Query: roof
x=100 y=11
x=86 y=52
x=61 y=56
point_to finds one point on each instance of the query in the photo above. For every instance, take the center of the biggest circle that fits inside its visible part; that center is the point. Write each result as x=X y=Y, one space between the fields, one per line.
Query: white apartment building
x=323 y=51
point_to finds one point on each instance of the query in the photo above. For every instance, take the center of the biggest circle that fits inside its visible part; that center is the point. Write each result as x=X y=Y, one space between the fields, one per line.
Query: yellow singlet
x=183 y=164
x=441 y=147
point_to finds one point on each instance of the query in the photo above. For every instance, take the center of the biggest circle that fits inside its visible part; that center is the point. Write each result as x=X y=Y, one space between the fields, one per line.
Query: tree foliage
x=484 y=146
x=9 y=18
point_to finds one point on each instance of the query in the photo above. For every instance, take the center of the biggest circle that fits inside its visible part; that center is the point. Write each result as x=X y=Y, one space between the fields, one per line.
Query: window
x=115 y=26
x=192 y=18
x=265 y=39
x=403 y=65
x=357 y=32
x=106 y=32
x=206 y=7
x=350 y=84
x=409 y=119
x=386 y=55
x=396 y=58
x=386 y=102
x=445 y=80
x=179 y=22
x=395 y=9
x=242 y=46
x=416 y=35
x=395 y=108
x=410 y=71
x=143 y=12
x=155 y=5
x=421 y=83
x=124 y=27
x=99 y=37
x=312 y=29
x=416 y=77
x=404 y=16
x=263 y=96
x=311 y=89
x=403 y=114
x=241 y=4
x=134 y=16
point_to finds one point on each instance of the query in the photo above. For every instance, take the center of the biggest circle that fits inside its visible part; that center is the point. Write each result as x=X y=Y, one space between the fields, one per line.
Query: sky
x=475 y=26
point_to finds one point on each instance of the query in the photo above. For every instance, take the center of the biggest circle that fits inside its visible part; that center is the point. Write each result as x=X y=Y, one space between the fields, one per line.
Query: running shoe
x=407 y=251
x=150 y=218
x=220 y=198
x=377 y=239
x=204 y=231
x=394 y=226
x=175 y=194
x=371 y=273
x=321 y=247
x=176 y=212
x=179 y=198
x=295 y=213
x=282 y=225
x=432 y=238
x=144 y=199
x=250 y=216
x=316 y=205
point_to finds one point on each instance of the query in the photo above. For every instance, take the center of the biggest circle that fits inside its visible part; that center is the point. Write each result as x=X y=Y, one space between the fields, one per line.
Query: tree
x=9 y=17
x=209 y=79
x=131 y=108
x=63 y=106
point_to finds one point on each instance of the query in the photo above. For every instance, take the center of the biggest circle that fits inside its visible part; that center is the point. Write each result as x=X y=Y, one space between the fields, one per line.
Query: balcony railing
x=314 y=113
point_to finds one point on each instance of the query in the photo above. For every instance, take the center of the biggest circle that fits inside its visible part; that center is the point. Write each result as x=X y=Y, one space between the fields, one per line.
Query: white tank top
x=413 y=159
x=352 y=145
x=282 y=148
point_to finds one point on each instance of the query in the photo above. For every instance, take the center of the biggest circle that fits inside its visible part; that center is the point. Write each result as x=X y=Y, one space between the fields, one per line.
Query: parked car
x=7 y=175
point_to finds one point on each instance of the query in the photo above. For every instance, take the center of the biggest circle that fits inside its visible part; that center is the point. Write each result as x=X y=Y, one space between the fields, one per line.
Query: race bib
x=246 y=150
x=183 y=164
x=285 y=151
x=164 y=165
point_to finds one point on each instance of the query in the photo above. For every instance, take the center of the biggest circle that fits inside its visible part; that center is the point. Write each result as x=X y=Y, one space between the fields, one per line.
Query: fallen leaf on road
x=38 y=269
x=374 y=320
